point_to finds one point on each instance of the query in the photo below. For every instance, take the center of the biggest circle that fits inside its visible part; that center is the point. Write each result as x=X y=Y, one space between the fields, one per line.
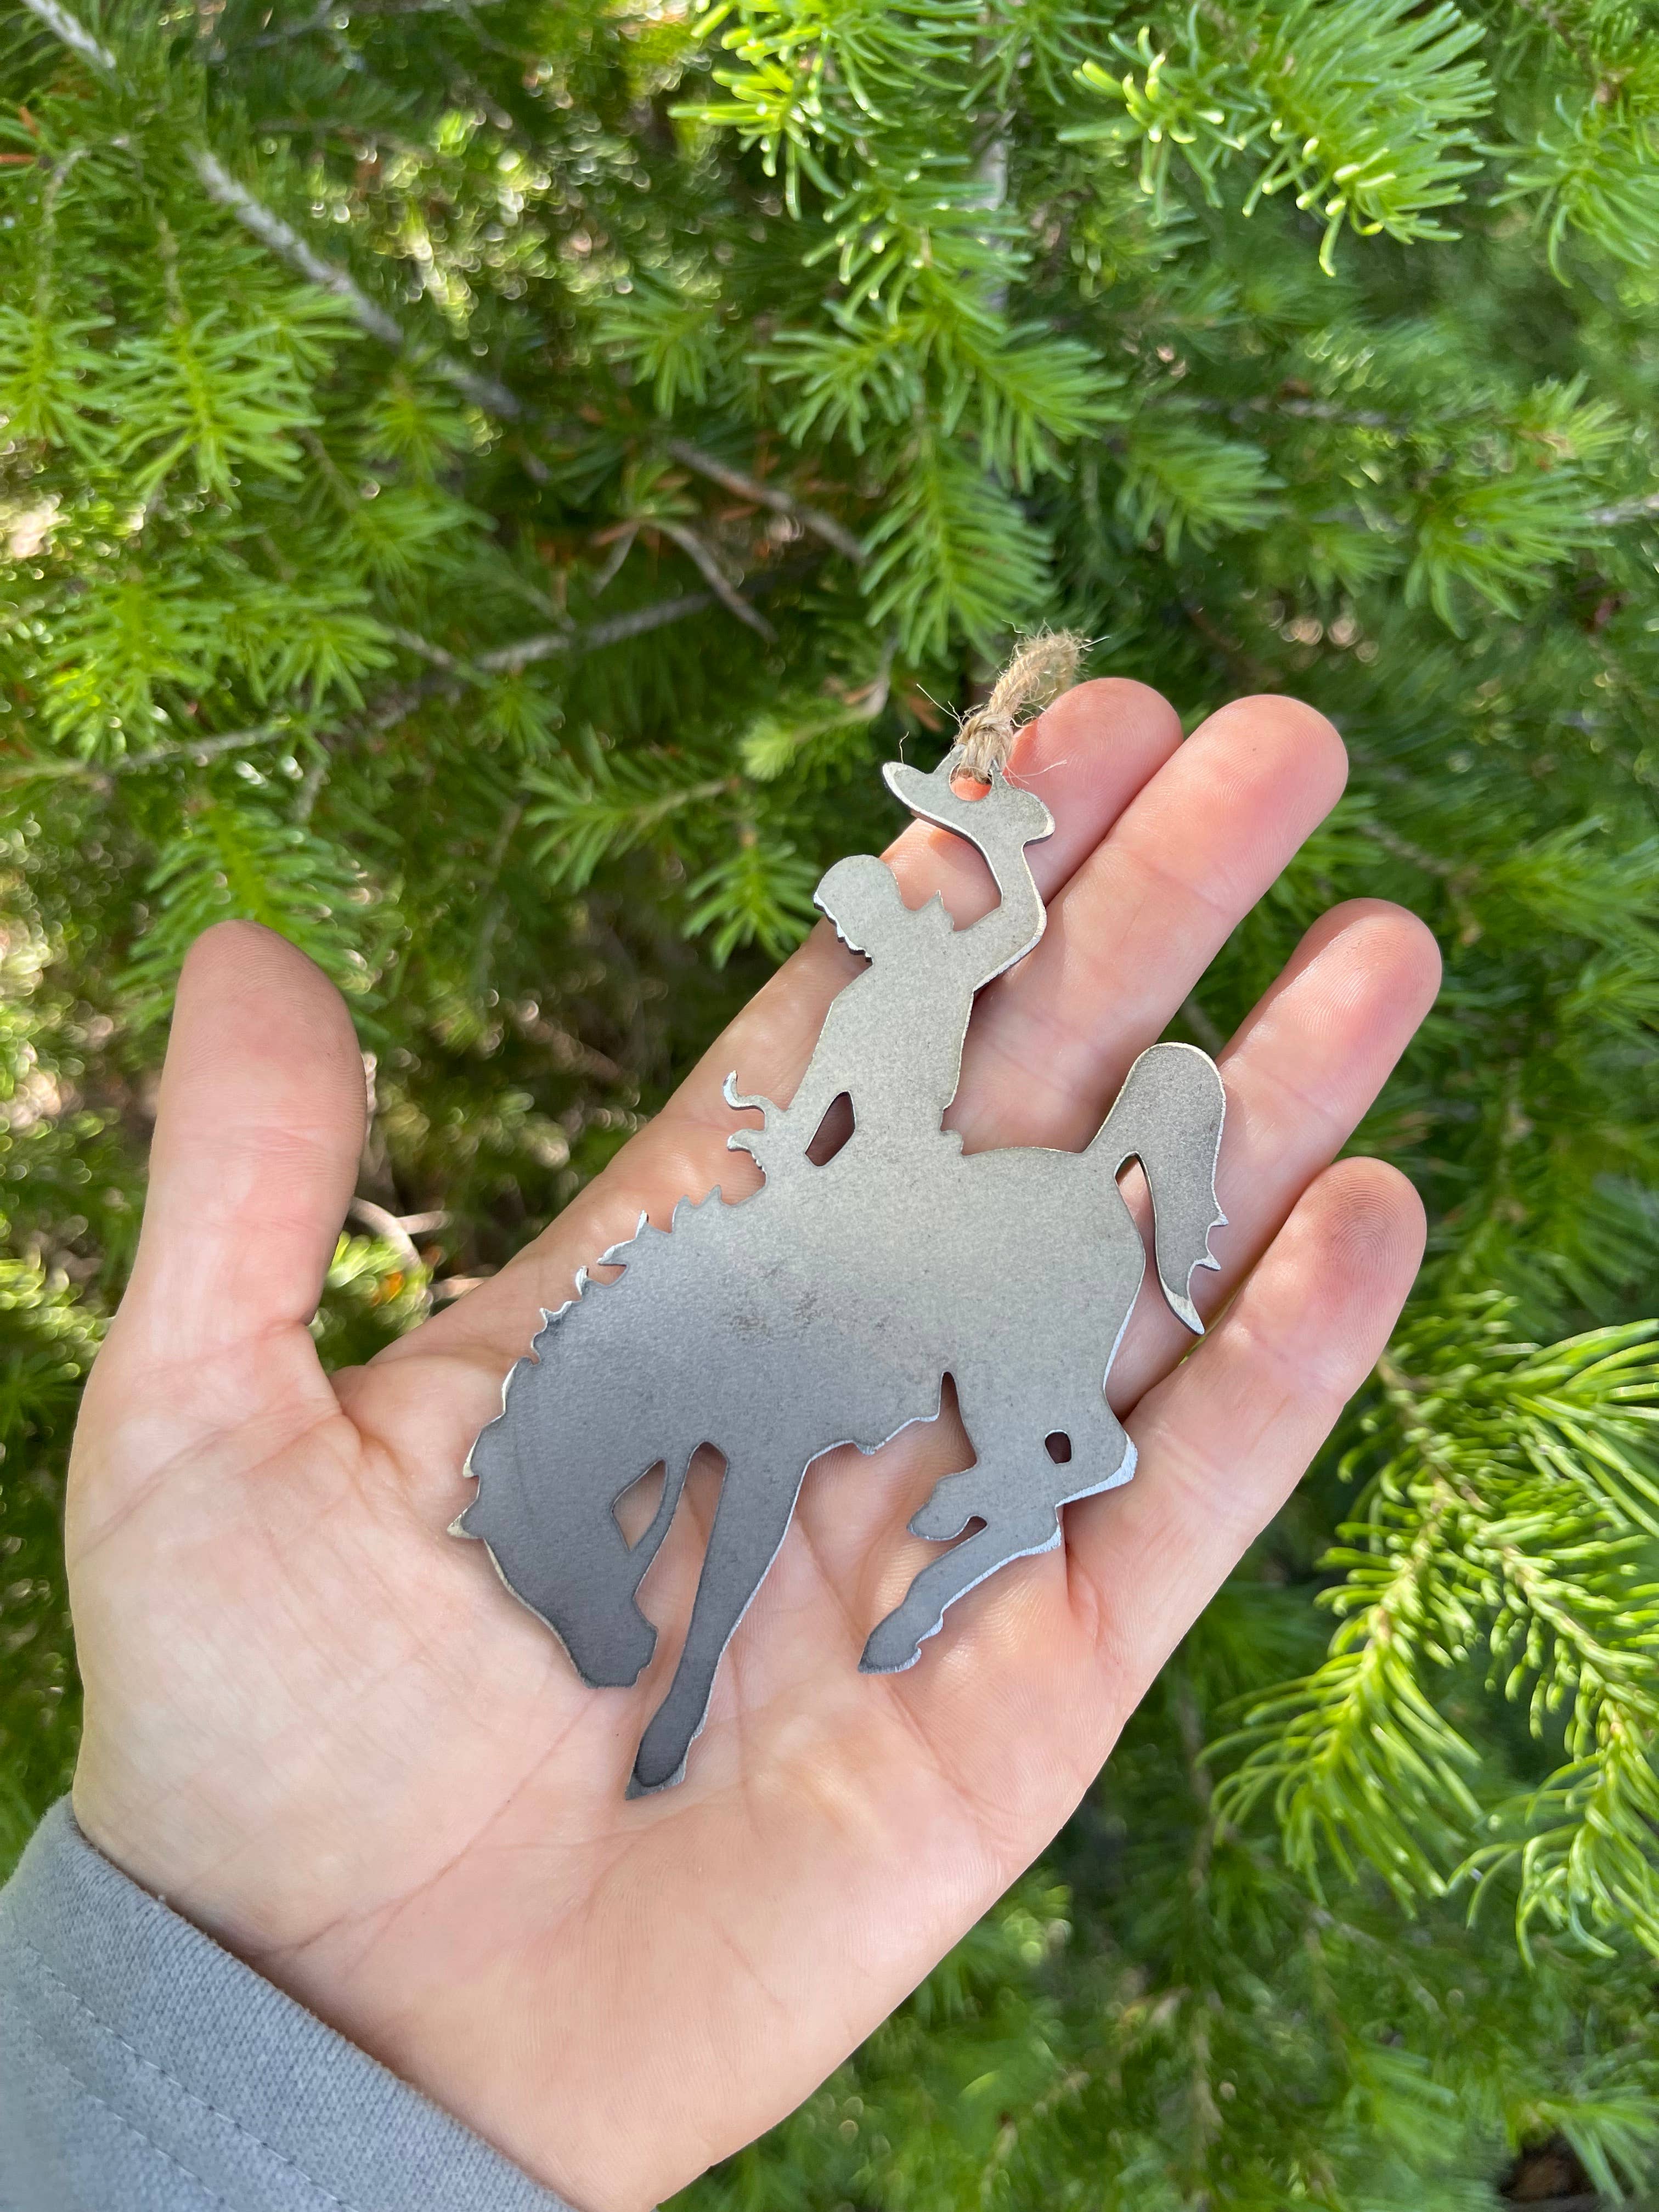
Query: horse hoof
x=891 y=1650
x=658 y=1764
x=938 y=1522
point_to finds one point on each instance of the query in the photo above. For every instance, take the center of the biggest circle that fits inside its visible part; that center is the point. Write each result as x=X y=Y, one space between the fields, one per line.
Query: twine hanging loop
x=1041 y=669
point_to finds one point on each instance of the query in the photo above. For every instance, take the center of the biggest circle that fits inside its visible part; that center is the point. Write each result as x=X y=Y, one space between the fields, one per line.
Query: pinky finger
x=1224 y=1439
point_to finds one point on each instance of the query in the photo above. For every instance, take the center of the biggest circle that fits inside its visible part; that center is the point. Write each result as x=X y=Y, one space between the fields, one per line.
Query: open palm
x=323 y=1730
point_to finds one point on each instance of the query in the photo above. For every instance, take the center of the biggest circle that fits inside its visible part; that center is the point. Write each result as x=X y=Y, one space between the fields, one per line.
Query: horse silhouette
x=828 y=1308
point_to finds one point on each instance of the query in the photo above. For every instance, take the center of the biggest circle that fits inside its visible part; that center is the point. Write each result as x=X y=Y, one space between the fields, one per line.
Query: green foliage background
x=481 y=484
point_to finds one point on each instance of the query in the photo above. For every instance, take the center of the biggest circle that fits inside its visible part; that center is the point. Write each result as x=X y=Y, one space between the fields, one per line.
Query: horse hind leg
x=1099 y=1454
x=1017 y=1486
x=896 y=1643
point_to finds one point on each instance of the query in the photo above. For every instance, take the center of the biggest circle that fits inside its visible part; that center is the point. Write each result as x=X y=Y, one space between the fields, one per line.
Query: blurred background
x=483 y=483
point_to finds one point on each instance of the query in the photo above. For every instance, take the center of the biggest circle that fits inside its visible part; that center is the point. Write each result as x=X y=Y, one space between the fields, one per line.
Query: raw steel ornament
x=828 y=1308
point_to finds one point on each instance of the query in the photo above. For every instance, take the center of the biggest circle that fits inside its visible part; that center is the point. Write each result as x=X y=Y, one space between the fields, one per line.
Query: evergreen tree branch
x=202 y=750
x=74 y=33
x=487 y=393
x=1056 y=378
x=285 y=242
x=767 y=495
x=708 y=567
x=1516 y=1492
x=282 y=239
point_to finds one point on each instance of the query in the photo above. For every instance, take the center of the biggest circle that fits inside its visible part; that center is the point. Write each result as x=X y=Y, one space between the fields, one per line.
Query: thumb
x=257 y=1134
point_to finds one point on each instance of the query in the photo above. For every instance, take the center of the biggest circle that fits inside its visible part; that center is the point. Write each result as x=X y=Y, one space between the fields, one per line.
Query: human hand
x=321 y=1729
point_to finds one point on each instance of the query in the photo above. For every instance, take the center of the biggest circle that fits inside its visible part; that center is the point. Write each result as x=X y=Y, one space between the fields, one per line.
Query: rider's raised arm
x=1001 y=825
x=1012 y=927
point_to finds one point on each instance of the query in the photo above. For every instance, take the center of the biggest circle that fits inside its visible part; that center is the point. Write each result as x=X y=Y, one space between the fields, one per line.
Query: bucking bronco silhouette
x=827 y=1308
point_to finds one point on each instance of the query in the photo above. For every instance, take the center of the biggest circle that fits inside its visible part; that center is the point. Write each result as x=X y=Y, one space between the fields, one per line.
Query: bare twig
x=288 y=245
x=715 y=577
x=621 y=628
x=412 y=641
x=1627 y=510
x=508 y=659
x=485 y=392
x=393 y=1230
x=548 y=645
x=765 y=495
x=73 y=34
x=544 y=645
x=1403 y=849
x=197 y=751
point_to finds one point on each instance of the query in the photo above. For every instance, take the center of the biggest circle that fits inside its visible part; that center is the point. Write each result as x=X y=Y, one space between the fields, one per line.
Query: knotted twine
x=1041 y=668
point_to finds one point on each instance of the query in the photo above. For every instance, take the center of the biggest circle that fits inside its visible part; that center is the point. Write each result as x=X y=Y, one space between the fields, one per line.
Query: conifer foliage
x=485 y=480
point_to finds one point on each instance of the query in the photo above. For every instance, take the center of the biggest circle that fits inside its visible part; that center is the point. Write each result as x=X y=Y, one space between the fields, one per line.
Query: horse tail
x=1168 y=1116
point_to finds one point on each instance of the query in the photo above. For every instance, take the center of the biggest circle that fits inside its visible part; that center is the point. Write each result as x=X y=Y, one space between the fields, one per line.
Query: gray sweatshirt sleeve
x=145 y=2069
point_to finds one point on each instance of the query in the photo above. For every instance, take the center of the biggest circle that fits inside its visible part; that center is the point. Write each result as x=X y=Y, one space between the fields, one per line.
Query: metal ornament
x=828 y=1308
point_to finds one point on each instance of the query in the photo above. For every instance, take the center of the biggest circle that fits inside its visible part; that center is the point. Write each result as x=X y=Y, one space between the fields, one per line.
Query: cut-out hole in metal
x=636 y=1507
x=837 y=1126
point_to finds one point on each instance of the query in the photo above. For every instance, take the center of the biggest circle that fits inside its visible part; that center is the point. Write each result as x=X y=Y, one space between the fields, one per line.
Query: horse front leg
x=750 y=1523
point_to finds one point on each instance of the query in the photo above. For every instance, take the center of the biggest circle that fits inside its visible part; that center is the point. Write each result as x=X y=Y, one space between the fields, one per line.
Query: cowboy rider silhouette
x=892 y=1039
